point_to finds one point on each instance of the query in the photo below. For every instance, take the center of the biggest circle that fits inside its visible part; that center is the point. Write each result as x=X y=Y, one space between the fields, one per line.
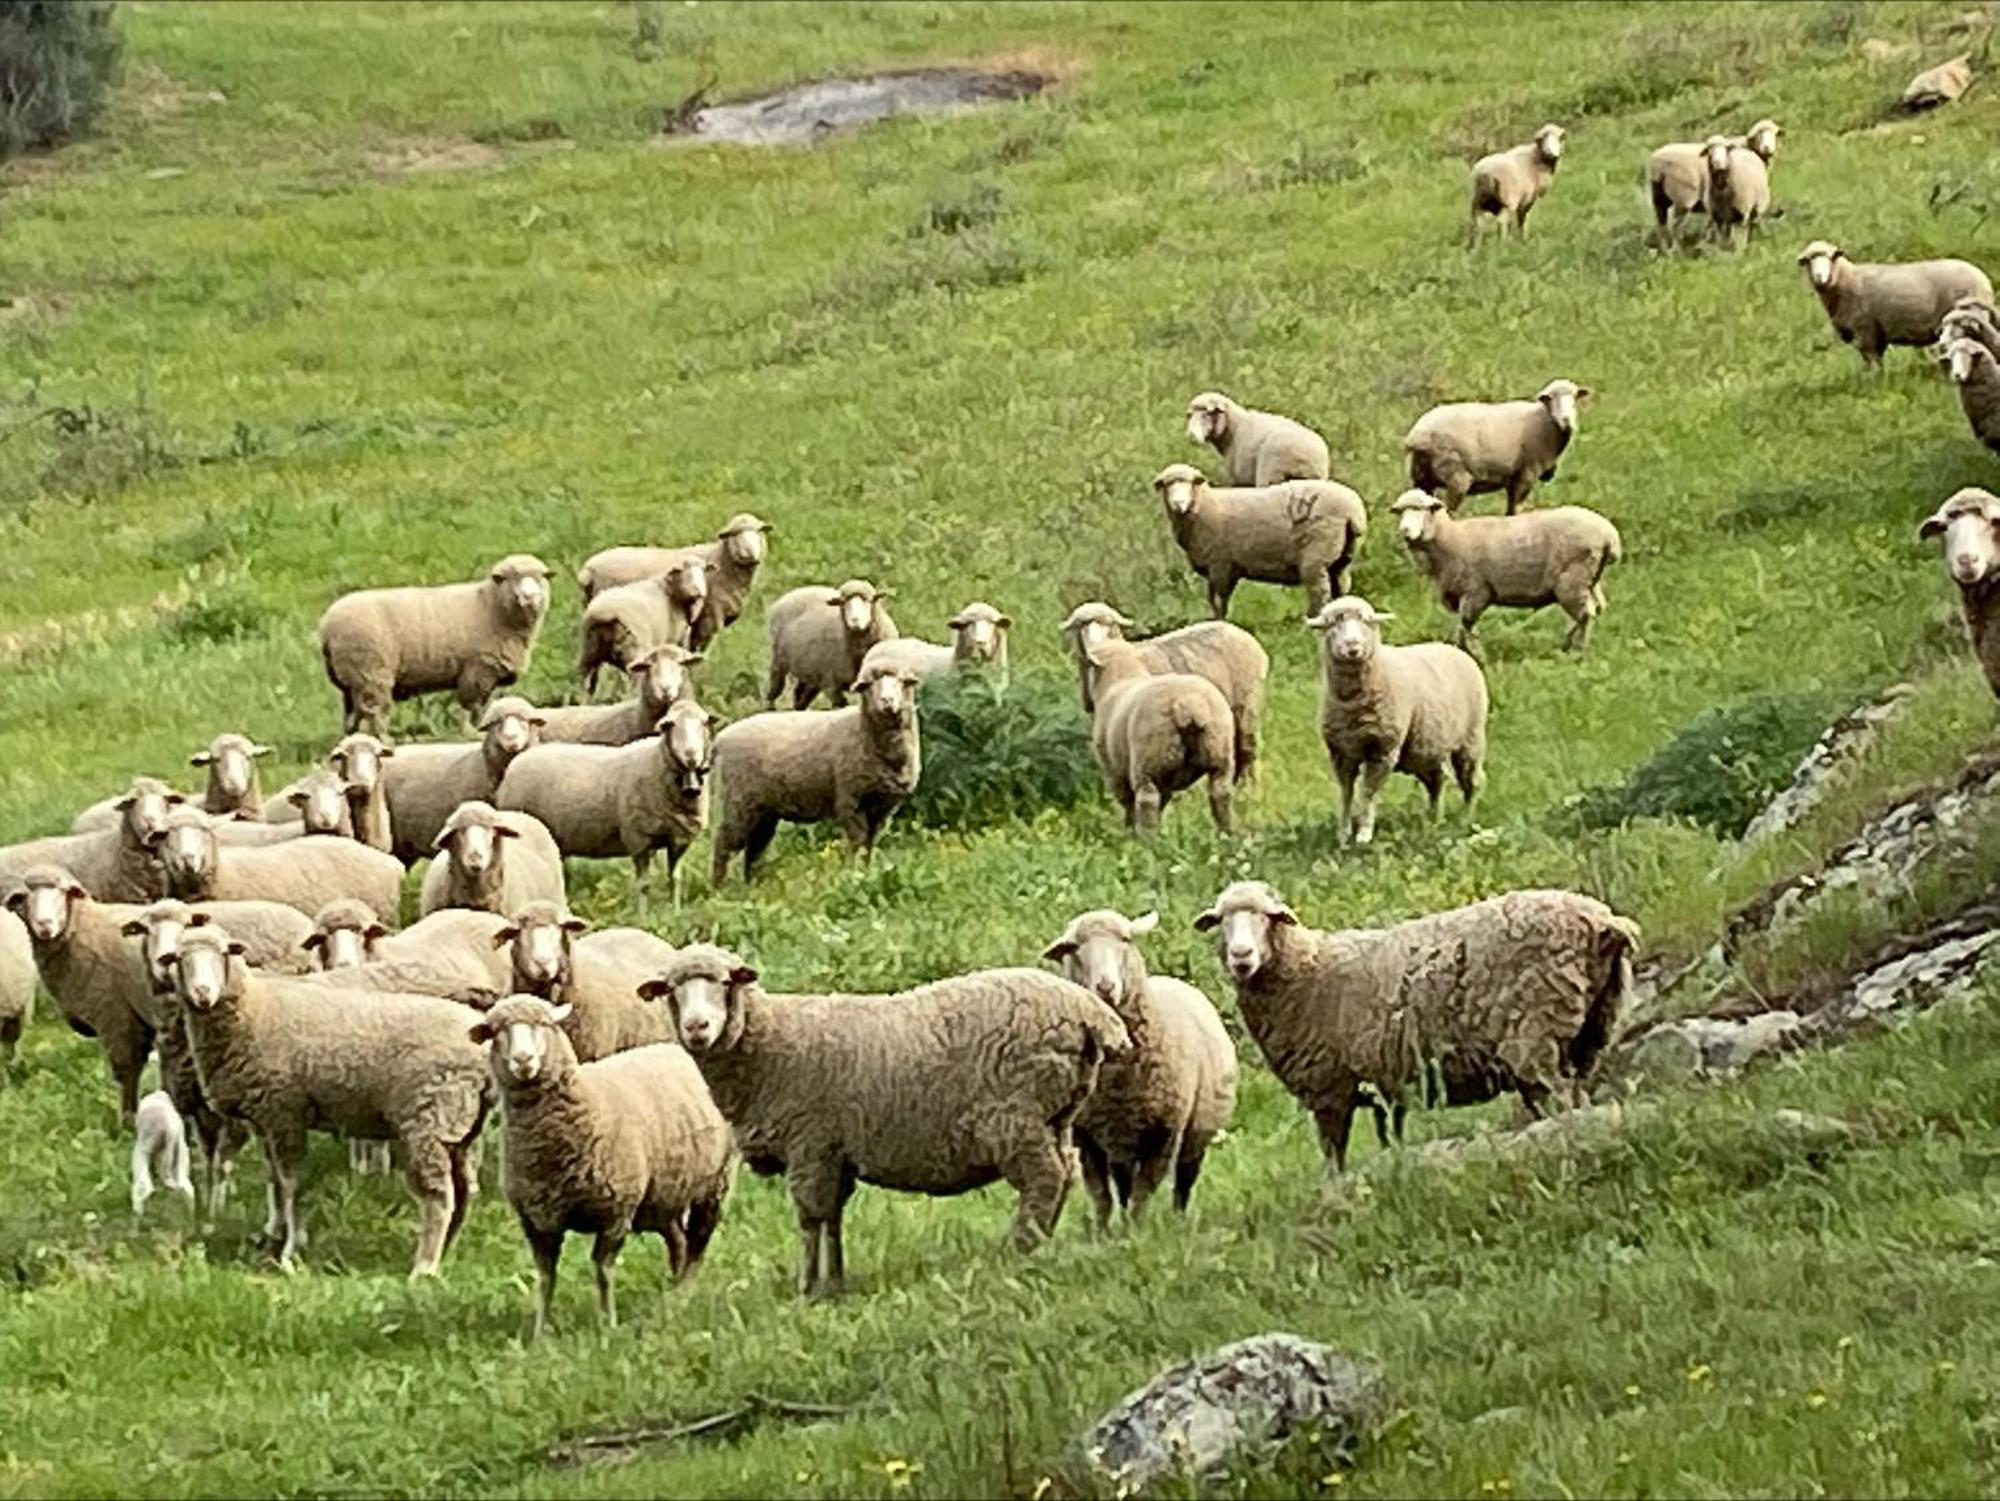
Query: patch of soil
x=807 y=111
x=153 y=95
x=401 y=157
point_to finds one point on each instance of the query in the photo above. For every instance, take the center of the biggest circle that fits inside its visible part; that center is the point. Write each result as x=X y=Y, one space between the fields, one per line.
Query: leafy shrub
x=991 y=754
x=1719 y=769
x=227 y=613
x=58 y=59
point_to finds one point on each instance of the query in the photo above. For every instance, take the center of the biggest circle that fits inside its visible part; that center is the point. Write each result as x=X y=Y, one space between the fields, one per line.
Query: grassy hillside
x=350 y=295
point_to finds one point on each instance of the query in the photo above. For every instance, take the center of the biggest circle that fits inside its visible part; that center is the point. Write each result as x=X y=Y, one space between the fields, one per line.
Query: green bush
x=58 y=59
x=993 y=753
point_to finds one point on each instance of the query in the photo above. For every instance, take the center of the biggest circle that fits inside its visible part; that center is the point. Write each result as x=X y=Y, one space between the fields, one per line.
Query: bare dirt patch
x=152 y=95
x=805 y=112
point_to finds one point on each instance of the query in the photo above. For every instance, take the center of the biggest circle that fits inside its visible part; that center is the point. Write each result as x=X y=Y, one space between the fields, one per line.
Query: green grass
x=949 y=355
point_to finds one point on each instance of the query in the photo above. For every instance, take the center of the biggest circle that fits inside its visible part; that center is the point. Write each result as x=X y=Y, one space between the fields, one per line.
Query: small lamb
x=1257 y=448
x=978 y=639
x=1413 y=709
x=1156 y=734
x=1977 y=372
x=661 y=678
x=1300 y=532
x=736 y=553
x=621 y=624
x=1969 y=522
x=1507 y=184
x=820 y=637
x=1472 y=447
x=627 y=1144
x=381 y=645
x=854 y=765
x=1227 y=655
x=424 y=783
x=492 y=862
x=1873 y=305
x=159 y=1144
x=1557 y=556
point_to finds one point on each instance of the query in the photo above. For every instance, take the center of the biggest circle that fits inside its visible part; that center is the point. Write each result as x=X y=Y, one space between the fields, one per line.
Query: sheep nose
x=1106 y=989
x=695 y=1034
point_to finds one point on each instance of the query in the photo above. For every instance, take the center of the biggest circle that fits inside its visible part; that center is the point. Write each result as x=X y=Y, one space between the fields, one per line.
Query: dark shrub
x=991 y=754
x=58 y=59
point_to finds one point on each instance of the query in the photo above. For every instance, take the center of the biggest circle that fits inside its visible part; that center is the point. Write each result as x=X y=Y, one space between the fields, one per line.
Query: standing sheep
x=854 y=765
x=1969 y=522
x=115 y=864
x=425 y=782
x=17 y=986
x=1677 y=177
x=1970 y=318
x=1552 y=557
x=978 y=638
x=1739 y=190
x=1300 y=532
x=1473 y=447
x=1507 y=184
x=231 y=786
x=1160 y=1106
x=1977 y=373
x=660 y=679
x=1156 y=734
x=737 y=552
x=1256 y=448
x=304 y=873
x=937 y=1090
x=621 y=624
x=594 y=978
x=1518 y=993
x=356 y=759
x=608 y=1148
x=1227 y=655
x=1873 y=305
x=382 y=645
x=492 y=862
x=1413 y=709
x=820 y=637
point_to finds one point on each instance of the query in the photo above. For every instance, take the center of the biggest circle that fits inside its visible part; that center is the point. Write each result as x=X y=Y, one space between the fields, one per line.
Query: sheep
x=819 y=638
x=1977 y=372
x=423 y=783
x=491 y=862
x=1677 y=176
x=1557 y=556
x=285 y=1058
x=594 y=977
x=159 y=1140
x=978 y=639
x=321 y=800
x=231 y=786
x=854 y=765
x=1256 y=448
x=1973 y=319
x=660 y=678
x=449 y=954
x=1939 y=85
x=117 y=864
x=1739 y=190
x=1161 y=1106
x=1300 y=532
x=357 y=759
x=936 y=1090
x=1472 y=447
x=604 y=1148
x=1969 y=522
x=1517 y=993
x=1874 y=304
x=1412 y=709
x=1156 y=734
x=623 y=623
x=1507 y=184
x=304 y=873
x=610 y=800
x=1226 y=655
x=737 y=552
x=17 y=986
x=469 y=639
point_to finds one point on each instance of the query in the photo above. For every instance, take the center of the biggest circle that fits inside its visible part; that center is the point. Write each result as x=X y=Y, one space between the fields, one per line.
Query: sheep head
x=743 y=538
x=979 y=632
x=1549 y=143
x=207 y=966
x=687 y=744
x=528 y=1043
x=1246 y=915
x=158 y=927
x=1180 y=487
x=1418 y=514
x=1970 y=525
x=1715 y=152
x=520 y=582
x=1351 y=629
x=662 y=678
x=1966 y=358
x=703 y=987
x=146 y=808
x=1822 y=260
x=46 y=901
x=1097 y=951
x=188 y=851
x=344 y=934
x=1209 y=418
x=1094 y=623
x=1762 y=138
x=540 y=936
x=321 y=798
x=229 y=759
x=859 y=603
x=1560 y=399
x=359 y=759
x=509 y=726
x=472 y=837
x=888 y=695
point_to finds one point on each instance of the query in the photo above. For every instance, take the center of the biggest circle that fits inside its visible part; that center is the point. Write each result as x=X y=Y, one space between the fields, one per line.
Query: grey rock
x=1839 y=744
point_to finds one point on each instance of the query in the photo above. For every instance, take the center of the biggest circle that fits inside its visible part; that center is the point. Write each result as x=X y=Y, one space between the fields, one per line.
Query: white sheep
x=1517 y=993
x=819 y=638
x=1677 y=176
x=452 y=953
x=1972 y=319
x=1507 y=184
x=1256 y=448
x=621 y=624
x=17 y=986
x=231 y=785
x=424 y=783
x=1939 y=85
x=594 y=977
x=936 y=1090
x=1873 y=305
x=1471 y=447
x=1301 y=532
x=1976 y=371
x=117 y=864
x=303 y=873
x=1413 y=709
x=492 y=862
x=736 y=553
x=1156 y=734
x=159 y=1146
x=1969 y=523
x=1557 y=556
x=660 y=678
x=978 y=639
x=357 y=759
x=1739 y=190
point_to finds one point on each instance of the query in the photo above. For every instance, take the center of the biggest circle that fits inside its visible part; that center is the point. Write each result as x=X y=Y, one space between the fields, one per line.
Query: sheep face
x=686 y=584
x=703 y=991
x=662 y=678
x=510 y=727
x=1096 y=952
x=526 y=1038
x=146 y=809
x=359 y=759
x=1094 y=624
x=1208 y=418
x=1821 y=260
x=979 y=632
x=521 y=585
x=1178 y=485
x=687 y=743
x=1965 y=357
x=471 y=838
x=322 y=802
x=1560 y=398
x=188 y=851
x=1715 y=151
x=888 y=695
x=1549 y=142
x=857 y=605
x=159 y=928
x=1762 y=138
x=228 y=759
x=1351 y=629
x=344 y=940
x=45 y=902
x=1245 y=917
x=1417 y=515
x=743 y=540
x=1970 y=525
x=539 y=936
x=208 y=968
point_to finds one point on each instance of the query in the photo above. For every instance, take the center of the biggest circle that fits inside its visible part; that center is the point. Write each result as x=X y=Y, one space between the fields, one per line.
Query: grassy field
x=349 y=295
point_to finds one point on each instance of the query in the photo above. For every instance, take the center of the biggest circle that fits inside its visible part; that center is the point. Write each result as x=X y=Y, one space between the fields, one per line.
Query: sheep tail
x=1616 y=941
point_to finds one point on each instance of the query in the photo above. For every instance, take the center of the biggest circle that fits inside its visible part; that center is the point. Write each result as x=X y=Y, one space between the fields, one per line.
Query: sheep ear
x=1145 y=924
x=200 y=758
x=296 y=797
x=374 y=931
x=1585 y=393
x=690 y=659
x=134 y=928
x=505 y=830
x=1933 y=525
x=313 y=942
x=200 y=919
x=654 y=989
x=1207 y=920
x=385 y=752
x=1005 y=622
x=957 y=623
x=175 y=799
x=743 y=974
x=1061 y=949
x=480 y=1031
x=561 y=1013
x=504 y=936
x=575 y=925
x=1125 y=622
x=1282 y=915
x=235 y=950
x=260 y=750
x=17 y=899
x=443 y=840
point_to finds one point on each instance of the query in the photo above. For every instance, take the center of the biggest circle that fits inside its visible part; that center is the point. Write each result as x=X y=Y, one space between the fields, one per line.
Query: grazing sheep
x=978 y=638
x=17 y=985
x=357 y=759
x=1412 y=709
x=425 y=782
x=1977 y=372
x=819 y=638
x=1677 y=177
x=936 y=1090
x=491 y=862
x=303 y=873
x=623 y=623
x=1939 y=85
x=1518 y=993
x=1552 y=557
x=594 y=978
x=1256 y=448
x=159 y=1142
x=1160 y=1106
x=1472 y=447
x=1973 y=319
x=610 y=1147
x=1739 y=190
x=1969 y=522
x=1873 y=305
x=737 y=552
x=660 y=678
x=115 y=864
x=1226 y=655
x=854 y=765
x=381 y=645
x=1507 y=184
x=1300 y=532
x=284 y=1058
x=1156 y=734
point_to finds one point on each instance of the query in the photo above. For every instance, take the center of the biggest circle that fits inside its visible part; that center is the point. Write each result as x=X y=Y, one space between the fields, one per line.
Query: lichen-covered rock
x=1230 y=1406
x=1710 y=1046
x=1841 y=742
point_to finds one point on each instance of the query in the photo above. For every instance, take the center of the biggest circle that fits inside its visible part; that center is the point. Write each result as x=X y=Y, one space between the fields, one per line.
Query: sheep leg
x=284 y=1154
x=1470 y=607
x=1343 y=776
x=1578 y=635
x=817 y=1199
x=1246 y=744
x=1040 y=1175
x=803 y=694
x=1149 y=1171
x=1187 y=1168
x=1221 y=796
x=126 y=1056
x=1146 y=806
x=1432 y=779
x=604 y=1263
x=427 y=1171
x=1519 y=487
x=10 y=1041
x=1220 y=586
x=1334 y=1122
x=463 y=1165
x=1096 y=1181
x=755 y=843
x=703 y=1216
x=142 y=1179
x=1373 y=775
x=774 y=684
x=546 y=1247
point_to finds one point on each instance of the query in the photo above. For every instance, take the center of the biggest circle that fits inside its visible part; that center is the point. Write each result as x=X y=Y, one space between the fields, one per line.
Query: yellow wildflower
x=1699 y=1373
